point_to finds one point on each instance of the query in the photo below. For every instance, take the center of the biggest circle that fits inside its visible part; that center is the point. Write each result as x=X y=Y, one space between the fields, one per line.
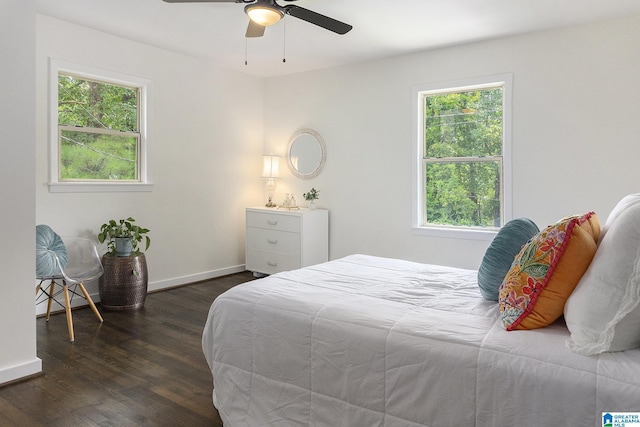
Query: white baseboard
x=192 y=278
x=152 y=286
x=23 y=370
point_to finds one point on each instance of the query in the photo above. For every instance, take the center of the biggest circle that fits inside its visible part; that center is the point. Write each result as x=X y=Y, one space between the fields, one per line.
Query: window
x=462 y=173
x=98 y=135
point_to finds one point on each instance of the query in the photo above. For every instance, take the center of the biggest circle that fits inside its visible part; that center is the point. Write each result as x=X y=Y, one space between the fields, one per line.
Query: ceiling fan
x=263 y=13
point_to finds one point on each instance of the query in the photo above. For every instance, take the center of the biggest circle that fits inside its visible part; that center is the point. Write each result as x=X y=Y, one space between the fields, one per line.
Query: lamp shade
x=263 y=14
x=270 y=166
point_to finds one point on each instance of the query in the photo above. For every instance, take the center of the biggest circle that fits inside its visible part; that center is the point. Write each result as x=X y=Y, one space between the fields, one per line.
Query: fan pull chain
x=245 y=50
x=284 y=42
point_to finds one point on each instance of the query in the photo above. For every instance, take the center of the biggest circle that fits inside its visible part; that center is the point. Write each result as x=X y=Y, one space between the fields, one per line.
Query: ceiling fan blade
x=254 y=30
x=317 y=19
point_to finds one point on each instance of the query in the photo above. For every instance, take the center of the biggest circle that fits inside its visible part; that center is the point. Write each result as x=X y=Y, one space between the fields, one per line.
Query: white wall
x=205 y=143
x=17 y=199
x=576 y=140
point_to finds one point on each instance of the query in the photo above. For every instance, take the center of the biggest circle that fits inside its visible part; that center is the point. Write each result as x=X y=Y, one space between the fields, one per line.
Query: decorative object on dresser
x=306 y=154
x=270 y=171
x=280 y=240
x=311 y=197
x=289 y=202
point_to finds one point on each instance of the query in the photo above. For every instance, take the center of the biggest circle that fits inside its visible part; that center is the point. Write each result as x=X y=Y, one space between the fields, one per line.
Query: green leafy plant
x=313 y=194
x=123 y=228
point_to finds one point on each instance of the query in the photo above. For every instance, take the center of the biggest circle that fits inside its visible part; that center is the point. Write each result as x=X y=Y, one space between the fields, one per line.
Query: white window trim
x=55 y=185
x=417 y=190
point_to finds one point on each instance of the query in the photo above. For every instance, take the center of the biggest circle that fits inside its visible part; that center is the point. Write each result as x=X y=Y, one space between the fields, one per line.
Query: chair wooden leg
x=51 y=289
x=67 y=303
x=90 y=301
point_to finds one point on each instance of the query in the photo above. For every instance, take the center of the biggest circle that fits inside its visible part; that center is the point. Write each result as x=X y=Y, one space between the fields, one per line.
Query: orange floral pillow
x=546 y=271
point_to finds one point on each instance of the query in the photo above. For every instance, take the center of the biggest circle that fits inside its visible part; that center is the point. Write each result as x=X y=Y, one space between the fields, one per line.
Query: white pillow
x=603 y=312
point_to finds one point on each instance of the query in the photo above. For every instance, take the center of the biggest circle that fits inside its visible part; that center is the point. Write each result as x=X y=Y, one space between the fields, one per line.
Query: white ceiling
x=381 y=28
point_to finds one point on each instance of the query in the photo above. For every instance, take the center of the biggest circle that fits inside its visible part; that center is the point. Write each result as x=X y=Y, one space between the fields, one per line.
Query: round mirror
x=306 y=153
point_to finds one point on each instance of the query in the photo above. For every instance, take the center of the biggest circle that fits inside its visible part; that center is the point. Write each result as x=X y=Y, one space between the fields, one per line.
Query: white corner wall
x=205 y=145
x=17 y=190
x=576 y=140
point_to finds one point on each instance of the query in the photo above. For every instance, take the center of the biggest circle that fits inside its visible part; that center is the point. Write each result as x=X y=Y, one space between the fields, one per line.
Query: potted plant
x=311 y=197
x=123 y=236
x=123 y=286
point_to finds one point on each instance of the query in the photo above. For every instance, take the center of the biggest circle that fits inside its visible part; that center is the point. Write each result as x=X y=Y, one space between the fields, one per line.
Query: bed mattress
x=370 y=341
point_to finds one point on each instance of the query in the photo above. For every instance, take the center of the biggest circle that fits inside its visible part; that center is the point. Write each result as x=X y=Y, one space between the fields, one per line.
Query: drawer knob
x=273 y=242
x=272 y=222
x=272 y=264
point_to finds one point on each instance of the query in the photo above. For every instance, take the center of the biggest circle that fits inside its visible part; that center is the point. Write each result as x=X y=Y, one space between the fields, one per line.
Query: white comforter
x=365 y=341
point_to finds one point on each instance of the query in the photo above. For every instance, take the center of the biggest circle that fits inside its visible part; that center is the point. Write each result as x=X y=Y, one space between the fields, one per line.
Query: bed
x=370 y=341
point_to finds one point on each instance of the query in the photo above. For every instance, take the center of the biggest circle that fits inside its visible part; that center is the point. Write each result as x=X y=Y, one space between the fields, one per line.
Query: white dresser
x=279 y=239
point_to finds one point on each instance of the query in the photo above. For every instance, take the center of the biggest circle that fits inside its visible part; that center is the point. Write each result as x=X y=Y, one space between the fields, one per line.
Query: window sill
x=99 y=187
x=451 y=233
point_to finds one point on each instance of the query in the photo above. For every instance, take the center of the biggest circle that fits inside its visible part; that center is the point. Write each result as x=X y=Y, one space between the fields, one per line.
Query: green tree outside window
x=463 y=142
x=98 y=130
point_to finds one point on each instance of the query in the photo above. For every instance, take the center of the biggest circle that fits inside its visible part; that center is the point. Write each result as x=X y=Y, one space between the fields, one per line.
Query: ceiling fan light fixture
x=263 y=14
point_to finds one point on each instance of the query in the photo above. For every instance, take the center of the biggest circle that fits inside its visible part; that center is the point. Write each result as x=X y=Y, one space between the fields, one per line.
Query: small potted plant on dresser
x=123 y=286
x=311 y=197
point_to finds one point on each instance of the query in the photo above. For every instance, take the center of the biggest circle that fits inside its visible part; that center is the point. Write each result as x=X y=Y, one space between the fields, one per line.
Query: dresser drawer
x=273 y=240
x=273 y=221
x=271 y=262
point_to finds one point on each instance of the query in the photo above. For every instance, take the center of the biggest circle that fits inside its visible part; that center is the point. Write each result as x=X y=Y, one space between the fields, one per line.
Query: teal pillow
x=48 y=246
x=500 y=254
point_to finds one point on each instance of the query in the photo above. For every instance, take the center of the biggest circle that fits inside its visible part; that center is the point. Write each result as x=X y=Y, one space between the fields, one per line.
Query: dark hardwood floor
x=142 y=367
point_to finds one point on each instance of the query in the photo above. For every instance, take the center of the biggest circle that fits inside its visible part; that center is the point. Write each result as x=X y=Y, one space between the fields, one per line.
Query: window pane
x=97 y=156
x=464 y=124
x=463 y=193
x=87 y=103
